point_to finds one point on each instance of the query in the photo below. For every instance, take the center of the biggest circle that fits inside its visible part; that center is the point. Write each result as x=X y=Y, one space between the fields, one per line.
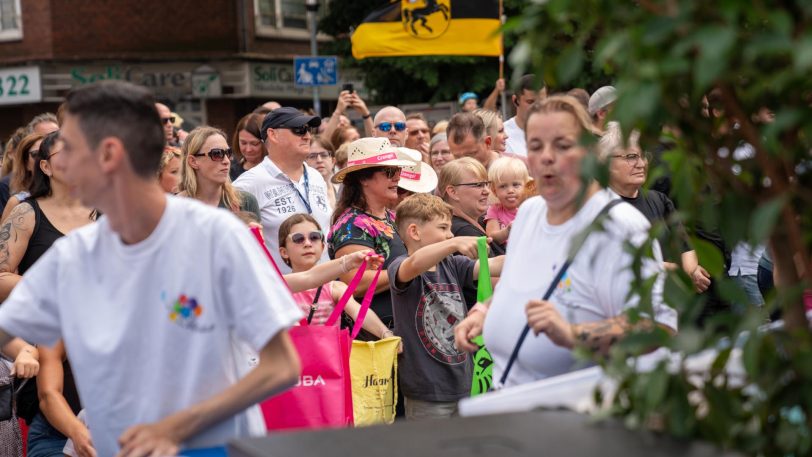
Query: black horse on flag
x=413 y=15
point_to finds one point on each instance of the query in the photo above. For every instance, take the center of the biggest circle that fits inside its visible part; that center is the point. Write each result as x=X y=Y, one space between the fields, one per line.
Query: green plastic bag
x=483 y=362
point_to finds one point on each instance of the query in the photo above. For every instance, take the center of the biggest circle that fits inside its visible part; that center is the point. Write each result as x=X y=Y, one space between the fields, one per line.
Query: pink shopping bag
x=323 y=396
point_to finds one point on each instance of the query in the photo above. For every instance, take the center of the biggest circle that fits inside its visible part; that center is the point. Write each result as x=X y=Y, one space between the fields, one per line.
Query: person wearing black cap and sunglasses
x=283 y=183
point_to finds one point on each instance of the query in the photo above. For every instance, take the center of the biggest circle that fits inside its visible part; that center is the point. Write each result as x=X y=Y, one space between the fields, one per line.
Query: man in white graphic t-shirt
x=161 y=302
x=528 y=91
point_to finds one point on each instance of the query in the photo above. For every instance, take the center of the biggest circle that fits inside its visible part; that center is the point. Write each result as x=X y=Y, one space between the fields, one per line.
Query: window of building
x=10 y=20
x=284 y=17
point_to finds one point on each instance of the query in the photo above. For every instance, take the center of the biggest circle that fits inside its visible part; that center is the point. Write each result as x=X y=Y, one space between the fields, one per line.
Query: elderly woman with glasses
x=362 y=218
x=205 y=177
x=464 y=185
x=628 y=170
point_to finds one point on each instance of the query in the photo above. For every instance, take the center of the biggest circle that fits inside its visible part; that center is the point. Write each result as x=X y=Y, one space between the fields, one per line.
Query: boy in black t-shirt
x=427 y=300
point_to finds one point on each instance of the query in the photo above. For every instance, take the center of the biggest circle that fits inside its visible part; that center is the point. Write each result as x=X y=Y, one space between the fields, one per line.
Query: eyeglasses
x=299 y=238
x=478 y=185
x=168 y=120
x=301 y=130
x=315 y=155
x=632 y=159
x=387 y=126
x=440 y=152
x=391 y=172
x=216 y=154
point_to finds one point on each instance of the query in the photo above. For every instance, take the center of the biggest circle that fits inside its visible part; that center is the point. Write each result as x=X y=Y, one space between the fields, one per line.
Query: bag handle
x=258 y=235
x=342 y=303
x=580 y=240
x=365 y=303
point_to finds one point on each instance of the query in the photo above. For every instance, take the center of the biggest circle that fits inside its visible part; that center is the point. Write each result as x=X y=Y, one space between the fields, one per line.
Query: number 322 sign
x=20 y=85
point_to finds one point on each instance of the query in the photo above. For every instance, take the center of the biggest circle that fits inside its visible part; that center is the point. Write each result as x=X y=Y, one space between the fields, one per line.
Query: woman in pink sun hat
x=362 y=219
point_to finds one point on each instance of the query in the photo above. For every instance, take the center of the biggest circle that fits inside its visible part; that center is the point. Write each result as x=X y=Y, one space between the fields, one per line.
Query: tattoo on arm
x=599 y=336
x=10 y=232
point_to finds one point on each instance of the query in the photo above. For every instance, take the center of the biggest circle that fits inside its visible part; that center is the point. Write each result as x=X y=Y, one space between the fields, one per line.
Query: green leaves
x=709 y=256
x=714 y=43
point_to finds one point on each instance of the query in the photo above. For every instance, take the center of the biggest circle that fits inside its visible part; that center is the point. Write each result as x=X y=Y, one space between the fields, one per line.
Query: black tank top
x=43 y=236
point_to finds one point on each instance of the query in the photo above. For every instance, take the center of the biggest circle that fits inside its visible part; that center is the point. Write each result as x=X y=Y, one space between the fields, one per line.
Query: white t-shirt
x=279 y=198
x=744 y=259
x=516 y=143
x=594 y=288
x=154 y=327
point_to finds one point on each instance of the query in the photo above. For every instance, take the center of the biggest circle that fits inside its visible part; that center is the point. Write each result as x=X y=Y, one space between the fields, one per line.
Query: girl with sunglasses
x=205 y=177
x=301 y=243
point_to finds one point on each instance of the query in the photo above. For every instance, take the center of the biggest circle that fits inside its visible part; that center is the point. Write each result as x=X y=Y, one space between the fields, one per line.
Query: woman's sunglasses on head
x=299 y=238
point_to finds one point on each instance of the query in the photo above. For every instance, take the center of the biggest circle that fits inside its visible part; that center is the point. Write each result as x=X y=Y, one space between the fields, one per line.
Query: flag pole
x=502 y=60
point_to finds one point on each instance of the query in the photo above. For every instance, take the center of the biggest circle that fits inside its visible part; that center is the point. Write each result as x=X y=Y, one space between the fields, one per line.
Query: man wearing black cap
x=283 y=183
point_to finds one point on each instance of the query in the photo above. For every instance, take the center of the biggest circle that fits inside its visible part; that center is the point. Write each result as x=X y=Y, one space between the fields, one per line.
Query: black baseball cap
x=287 y=116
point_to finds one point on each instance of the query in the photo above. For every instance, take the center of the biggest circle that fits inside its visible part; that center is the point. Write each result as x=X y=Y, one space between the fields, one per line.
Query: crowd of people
x=146 y=318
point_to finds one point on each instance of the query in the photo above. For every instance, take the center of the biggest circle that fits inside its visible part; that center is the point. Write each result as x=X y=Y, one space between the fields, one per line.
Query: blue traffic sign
x=316 y=71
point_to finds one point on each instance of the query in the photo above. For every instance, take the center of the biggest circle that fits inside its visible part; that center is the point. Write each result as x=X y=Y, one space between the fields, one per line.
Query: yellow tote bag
x=374 y=371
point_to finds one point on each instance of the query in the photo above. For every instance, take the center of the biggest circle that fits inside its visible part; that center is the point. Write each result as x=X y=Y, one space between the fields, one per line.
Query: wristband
x=479 y=307
x=367 y=116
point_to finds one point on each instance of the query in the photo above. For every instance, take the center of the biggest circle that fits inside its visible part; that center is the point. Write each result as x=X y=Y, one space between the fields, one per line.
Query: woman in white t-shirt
x=588 y=304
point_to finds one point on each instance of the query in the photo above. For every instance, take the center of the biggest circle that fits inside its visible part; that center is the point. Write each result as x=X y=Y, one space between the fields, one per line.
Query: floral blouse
x=355 y=226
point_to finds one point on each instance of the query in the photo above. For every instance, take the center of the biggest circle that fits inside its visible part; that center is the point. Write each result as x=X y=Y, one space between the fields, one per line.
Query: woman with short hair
x=205 y=177
x=464 y=185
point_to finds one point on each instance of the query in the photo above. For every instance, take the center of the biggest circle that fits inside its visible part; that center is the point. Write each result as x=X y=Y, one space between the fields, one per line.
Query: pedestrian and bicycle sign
x=316 y=71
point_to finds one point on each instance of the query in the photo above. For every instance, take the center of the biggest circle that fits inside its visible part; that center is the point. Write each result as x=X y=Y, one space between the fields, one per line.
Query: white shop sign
x=20 y=85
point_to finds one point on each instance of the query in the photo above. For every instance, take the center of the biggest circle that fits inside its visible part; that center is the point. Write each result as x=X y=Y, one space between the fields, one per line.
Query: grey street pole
x=312 y=9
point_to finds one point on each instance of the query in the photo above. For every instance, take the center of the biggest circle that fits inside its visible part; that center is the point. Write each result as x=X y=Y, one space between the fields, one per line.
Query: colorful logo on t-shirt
x=440 y=309
x=565 y=284
x=185 y=311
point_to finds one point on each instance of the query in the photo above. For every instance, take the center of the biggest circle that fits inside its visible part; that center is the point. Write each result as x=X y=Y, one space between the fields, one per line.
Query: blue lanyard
x=306 y=197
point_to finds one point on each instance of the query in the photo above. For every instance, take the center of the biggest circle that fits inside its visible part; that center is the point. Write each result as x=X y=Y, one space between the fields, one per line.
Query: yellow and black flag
x=430 y=27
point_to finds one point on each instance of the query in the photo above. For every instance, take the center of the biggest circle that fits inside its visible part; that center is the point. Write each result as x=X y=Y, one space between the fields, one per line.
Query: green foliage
x=400 y=80
x=750 y=58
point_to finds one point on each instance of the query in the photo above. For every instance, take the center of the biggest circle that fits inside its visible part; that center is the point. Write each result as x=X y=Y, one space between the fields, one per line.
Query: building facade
x=211 y=61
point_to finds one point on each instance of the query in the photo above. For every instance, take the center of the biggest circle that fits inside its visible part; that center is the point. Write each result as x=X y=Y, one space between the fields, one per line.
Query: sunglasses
x=302 y=130
x=168 y=120
x=390 y=172
x=387 y=126
x=216 y=154
x=478 y=185
x=299 y=238
x=315 y=155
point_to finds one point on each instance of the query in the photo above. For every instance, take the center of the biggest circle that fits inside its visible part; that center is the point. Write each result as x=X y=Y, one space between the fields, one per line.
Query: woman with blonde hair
x=169 y=170
x=494 y=128
x=591 y=292
x=205 y=177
